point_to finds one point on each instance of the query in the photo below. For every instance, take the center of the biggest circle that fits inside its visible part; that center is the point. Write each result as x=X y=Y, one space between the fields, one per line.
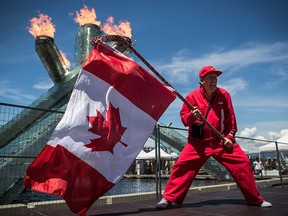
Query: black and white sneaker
x=266 y=204
x=163 y=204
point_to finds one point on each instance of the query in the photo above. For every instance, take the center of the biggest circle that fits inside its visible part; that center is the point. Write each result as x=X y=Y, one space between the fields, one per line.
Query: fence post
x=158 y=157
x=156 y=177
x=279 y=163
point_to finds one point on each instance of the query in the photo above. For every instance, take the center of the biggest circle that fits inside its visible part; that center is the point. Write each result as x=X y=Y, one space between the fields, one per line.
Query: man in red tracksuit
x=200 y=147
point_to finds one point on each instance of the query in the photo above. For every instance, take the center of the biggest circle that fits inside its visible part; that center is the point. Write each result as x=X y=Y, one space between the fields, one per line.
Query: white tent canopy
x=163 y=154
x=283 y=139
x=272 y=146
x=174 y=155
x=142 y=155
x=151 y=155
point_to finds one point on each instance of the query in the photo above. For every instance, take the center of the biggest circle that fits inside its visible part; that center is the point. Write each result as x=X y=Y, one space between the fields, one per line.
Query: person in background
x=258 y=167
x=269 y=164
x=274 y=164
x=216 y=106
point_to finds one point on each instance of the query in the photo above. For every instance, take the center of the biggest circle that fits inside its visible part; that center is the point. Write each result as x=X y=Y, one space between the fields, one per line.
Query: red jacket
x=221 y=115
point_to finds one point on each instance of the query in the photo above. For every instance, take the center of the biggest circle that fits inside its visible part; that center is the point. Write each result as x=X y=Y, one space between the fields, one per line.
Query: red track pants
x=192 y=159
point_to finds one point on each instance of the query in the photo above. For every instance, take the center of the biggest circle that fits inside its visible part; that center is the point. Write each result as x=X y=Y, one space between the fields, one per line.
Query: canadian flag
x=113 y=109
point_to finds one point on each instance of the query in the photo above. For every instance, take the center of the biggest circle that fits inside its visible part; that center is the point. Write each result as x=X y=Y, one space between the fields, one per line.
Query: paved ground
x=220 y=203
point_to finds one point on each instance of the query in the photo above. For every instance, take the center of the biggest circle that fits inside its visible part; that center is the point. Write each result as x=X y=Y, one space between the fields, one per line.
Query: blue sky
x=247 y=40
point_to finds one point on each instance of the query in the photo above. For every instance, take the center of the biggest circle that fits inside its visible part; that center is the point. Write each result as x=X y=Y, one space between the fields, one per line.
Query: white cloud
x=44 y=85
x=7 y=92
x=248 y=132
x=276 y=135
x=283 y=132
x=273 y=134
x=234 y=85
x=182 y=66
x=260 y=137
x=253 y=141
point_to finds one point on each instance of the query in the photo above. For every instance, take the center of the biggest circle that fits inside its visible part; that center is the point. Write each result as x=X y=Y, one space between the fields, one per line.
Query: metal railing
x=21 y=149
x=212 y=167
x=18 y=150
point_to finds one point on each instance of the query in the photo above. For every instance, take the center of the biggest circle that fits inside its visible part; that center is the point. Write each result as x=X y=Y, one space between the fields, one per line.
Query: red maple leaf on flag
x=110 y=130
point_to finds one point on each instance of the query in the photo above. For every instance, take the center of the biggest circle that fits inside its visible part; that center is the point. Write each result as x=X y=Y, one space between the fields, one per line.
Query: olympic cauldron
x=29 y=122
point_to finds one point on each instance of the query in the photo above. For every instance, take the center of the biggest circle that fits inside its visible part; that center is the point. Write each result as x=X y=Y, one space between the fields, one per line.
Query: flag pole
x=120 y=39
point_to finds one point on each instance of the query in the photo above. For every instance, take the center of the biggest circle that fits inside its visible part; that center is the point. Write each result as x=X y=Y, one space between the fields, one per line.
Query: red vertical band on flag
x=63 y=174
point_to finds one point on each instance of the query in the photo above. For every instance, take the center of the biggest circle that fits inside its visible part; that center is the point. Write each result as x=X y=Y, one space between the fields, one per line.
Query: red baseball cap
x=209 y=69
